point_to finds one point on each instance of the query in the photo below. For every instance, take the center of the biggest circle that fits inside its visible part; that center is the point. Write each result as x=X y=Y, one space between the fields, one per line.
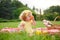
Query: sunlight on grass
x=15 y=24
x=23 y=35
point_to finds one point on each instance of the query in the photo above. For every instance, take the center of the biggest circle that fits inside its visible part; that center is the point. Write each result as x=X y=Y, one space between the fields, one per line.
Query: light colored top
x=27 y=26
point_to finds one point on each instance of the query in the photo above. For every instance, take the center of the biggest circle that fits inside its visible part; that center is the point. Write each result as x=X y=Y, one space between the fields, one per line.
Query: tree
x=26 y=5
x=52 y=12
x=11 y=9
x=33 y=7
x=7 y=7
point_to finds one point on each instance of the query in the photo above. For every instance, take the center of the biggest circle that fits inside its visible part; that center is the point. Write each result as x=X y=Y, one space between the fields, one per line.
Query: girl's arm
x=21 y=25
x=33 y=21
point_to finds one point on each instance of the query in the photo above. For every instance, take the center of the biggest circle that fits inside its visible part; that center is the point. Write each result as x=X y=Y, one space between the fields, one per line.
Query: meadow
x=24 y=35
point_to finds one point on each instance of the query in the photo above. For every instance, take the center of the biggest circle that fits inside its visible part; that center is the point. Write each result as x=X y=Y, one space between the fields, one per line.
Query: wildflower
x=38 y=32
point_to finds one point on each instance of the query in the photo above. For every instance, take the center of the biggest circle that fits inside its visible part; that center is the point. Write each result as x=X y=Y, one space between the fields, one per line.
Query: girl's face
x=28 y=18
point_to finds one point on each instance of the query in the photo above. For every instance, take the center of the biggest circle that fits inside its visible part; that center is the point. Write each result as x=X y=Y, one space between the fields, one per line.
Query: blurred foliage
x=7 y=7
x=52 y=12
x=11 y=9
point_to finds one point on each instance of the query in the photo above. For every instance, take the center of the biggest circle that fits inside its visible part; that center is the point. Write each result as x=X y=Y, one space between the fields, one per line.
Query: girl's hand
x=33 y=22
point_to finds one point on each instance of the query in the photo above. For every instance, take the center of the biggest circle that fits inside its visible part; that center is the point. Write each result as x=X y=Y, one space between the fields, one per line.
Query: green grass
x=23 y=35
x=15 y=24
x=8 y=24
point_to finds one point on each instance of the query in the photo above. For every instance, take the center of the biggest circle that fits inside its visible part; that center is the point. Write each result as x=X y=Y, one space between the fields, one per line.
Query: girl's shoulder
x=23 y=22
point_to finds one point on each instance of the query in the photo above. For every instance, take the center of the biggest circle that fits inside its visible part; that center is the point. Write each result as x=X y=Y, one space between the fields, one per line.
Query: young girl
x=27 y=20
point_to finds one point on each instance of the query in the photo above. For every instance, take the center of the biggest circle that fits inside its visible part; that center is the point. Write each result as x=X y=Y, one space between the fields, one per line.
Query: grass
x=23 y=35
x=15 y=24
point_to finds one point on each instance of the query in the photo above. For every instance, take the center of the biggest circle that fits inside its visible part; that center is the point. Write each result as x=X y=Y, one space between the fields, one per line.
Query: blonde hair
x=24 y=13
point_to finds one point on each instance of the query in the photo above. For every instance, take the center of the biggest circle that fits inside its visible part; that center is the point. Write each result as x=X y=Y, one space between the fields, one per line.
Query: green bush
x=12 y=20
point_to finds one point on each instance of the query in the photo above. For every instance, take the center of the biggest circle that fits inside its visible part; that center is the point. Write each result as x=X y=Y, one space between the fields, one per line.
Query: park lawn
x=23 y=35
x=15 y=24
